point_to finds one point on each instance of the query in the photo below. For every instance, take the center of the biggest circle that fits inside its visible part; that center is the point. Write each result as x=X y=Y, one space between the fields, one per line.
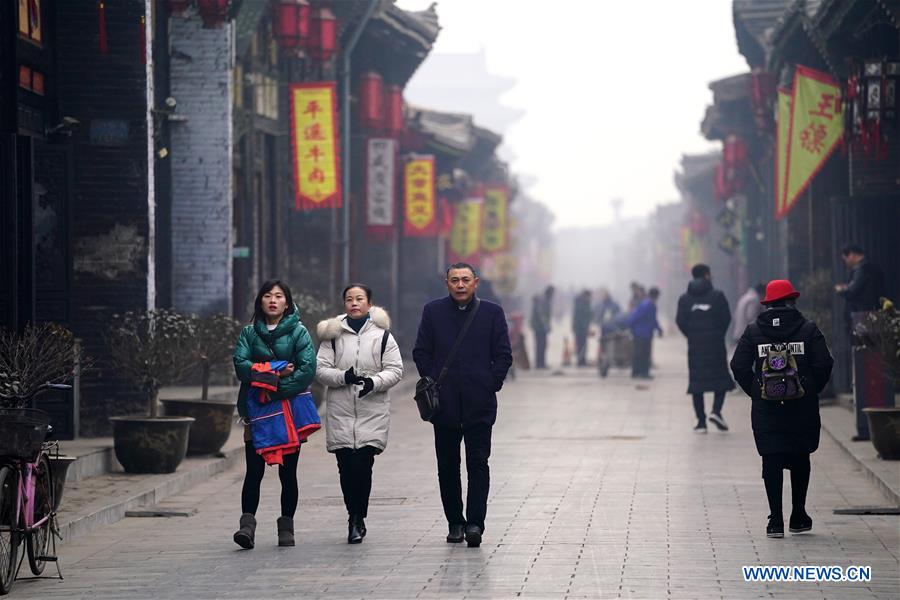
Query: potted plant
x=151 y=349
x=42 y=354
x=213 y=346
x=880 y=331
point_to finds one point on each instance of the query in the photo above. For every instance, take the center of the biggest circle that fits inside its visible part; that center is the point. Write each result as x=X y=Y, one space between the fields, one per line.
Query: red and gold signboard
x=465 y=235
x=494 y=217
x=420 y=202
x=315 y=146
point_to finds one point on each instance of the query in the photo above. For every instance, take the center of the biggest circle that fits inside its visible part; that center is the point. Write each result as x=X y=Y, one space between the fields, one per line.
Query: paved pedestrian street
x=599 y=490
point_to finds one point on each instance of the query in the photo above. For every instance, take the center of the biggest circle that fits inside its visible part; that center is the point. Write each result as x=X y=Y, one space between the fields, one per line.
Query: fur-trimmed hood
x=331 y=329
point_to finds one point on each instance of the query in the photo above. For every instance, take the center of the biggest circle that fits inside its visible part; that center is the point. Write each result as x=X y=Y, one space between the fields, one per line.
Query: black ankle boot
x=361 y=525
x=354 y=536
x=244 y=537
x=285 y=531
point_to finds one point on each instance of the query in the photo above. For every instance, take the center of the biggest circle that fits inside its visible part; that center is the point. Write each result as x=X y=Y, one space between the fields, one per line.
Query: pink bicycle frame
x=27 y=496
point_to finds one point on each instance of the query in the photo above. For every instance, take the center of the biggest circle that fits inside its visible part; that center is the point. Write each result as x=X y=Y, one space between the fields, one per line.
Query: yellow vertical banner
x=494 y=217
x=781 y=144
x=465 y=235
x=817 y=125
x=420 y=203
x=315 y=147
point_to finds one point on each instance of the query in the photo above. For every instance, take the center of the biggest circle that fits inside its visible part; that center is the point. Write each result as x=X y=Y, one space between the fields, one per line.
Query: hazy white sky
x=614 y=89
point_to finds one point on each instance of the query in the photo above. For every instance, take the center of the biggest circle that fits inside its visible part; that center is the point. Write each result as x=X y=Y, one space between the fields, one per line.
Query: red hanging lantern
x=176 y=7
x=370 y=100
x=292 y=22
x=323 y=41
x=735 y=152
x=213 y=12
x=393 y=106
x=697 y=223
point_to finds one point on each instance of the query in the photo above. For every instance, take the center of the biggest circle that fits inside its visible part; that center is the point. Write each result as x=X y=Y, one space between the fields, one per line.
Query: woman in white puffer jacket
x=358 y=362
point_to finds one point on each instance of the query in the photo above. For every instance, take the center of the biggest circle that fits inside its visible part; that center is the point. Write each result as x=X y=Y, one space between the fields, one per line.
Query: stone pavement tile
x=650 y=517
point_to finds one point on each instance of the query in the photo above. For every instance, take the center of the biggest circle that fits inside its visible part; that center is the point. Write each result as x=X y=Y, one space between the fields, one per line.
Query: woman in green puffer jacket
x=275 y=334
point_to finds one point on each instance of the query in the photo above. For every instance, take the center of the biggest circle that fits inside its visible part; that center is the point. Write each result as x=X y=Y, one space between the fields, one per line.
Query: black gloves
x=368 y=386
x=351 y=378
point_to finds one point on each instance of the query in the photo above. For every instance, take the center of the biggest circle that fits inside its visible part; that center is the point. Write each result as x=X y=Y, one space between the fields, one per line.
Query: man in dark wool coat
x=786 y=431
x=703 y=317
x=468 y=394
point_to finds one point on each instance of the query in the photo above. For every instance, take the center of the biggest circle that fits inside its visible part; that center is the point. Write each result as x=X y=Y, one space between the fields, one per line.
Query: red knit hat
x=779 y=289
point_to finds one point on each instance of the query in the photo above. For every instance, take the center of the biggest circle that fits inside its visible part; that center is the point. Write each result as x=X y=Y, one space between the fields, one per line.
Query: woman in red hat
x=782 y=362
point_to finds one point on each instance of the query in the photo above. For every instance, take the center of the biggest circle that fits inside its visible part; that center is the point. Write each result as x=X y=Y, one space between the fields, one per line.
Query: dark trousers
x=640 y=360
x=718 y=401
x=581 y=338
x=773 y=466
x=355 y=469
x=478 y=450
x=540 y=350
x=256 y=469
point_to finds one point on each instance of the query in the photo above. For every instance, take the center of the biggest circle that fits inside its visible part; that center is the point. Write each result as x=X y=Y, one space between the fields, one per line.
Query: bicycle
x=27 y=499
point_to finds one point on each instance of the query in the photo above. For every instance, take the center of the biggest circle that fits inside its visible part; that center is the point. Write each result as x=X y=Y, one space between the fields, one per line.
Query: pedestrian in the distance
x=643 y=324
x=541 y=317
x=782 y=362
x=747 y=309
x=276 y=333
x=703 y=317
x=582 y=316
x=866 y=283
x=358 y=362
x=468 y=394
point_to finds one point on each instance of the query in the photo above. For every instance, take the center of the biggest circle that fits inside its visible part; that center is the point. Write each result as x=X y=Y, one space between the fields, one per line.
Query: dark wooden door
x=53 y=262
x=873 y=222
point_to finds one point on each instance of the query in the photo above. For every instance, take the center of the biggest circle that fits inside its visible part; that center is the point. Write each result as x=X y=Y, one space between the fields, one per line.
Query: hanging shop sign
x=781 y=144
x=494 y=216
x=381 y=155
x=420 y=202
x=465 y=235
x=816 y=129
x=315 y=146
x=691 y=248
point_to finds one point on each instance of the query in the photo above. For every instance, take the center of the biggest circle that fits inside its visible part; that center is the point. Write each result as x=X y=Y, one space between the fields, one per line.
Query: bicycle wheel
x=9 y=535
x=37 y=541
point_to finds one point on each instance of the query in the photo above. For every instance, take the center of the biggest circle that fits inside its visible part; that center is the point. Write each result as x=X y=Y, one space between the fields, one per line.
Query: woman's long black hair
x=258 y=314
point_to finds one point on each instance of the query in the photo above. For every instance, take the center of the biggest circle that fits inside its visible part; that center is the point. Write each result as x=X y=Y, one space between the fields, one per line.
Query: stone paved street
x=599 y=490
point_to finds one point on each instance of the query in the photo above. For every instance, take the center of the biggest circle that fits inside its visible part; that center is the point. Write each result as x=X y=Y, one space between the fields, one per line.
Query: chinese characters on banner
x=420 y=204
x=315 y=146
x=817 y=126
x=781 y=141
x=380 y=158
x=465 y=235
x=493 y=236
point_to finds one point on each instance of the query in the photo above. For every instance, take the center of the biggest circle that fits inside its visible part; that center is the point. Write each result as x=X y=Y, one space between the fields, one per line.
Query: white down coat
x=351 y=421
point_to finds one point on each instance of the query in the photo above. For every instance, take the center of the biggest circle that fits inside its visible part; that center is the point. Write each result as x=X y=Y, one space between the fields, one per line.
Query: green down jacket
x=289 y=341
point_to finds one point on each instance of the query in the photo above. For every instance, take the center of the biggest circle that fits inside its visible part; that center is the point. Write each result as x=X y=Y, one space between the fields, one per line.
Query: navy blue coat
x=468 y=394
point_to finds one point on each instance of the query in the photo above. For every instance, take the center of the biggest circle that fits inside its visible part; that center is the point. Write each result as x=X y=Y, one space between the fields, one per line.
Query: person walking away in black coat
x=541 y=316
x=581 y=325
x=703 y=317
x=786 y=432
x=468 y=394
